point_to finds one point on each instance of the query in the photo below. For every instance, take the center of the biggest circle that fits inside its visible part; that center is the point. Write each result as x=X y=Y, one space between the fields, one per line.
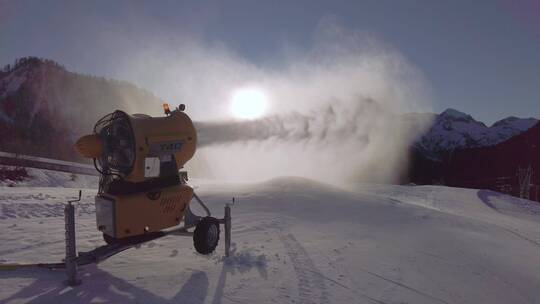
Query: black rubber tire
x=206 y=235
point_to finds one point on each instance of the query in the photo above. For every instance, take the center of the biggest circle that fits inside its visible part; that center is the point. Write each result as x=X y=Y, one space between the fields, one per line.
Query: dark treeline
x=44 y=108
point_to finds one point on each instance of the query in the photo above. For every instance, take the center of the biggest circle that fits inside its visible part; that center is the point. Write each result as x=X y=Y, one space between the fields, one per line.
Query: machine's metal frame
x=99 y=254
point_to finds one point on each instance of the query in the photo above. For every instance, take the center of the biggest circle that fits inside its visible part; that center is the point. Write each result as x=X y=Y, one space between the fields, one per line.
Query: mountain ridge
x=453 y=130
x=44 y=107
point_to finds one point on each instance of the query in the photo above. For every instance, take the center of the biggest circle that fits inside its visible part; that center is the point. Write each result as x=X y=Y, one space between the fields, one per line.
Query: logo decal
x=166 y=147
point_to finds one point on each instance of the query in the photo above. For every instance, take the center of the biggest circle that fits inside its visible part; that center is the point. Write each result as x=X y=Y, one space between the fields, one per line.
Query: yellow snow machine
x=141 y=190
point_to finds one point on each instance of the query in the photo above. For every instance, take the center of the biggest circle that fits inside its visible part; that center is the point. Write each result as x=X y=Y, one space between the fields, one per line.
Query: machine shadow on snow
x=486 y=196
x=49 y=288
x=245 y=260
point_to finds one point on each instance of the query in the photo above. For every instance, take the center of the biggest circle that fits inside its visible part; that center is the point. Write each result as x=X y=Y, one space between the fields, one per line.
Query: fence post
x=71 y=255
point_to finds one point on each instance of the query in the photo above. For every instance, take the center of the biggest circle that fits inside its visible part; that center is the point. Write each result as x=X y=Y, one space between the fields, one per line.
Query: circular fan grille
x=119 y=144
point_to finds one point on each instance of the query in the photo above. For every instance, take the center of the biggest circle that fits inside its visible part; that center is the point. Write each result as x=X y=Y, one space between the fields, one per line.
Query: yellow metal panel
x=150 y=212
x=148 y=130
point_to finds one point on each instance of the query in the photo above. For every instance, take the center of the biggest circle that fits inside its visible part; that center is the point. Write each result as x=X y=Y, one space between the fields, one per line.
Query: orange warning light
x=166 y=109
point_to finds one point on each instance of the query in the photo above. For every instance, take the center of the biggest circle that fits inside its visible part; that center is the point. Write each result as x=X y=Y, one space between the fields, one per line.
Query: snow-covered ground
x=50 y=178
x=295 y=241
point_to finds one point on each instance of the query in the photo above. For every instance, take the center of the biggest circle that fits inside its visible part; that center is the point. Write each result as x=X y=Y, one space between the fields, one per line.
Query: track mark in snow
x=346 y=287
x=405 y=286
x=519 y=235
x=311 y=284
x=328 y=279
x=310 y=279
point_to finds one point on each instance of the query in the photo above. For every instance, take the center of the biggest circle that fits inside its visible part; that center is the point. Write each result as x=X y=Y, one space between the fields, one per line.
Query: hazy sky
x=481 y=57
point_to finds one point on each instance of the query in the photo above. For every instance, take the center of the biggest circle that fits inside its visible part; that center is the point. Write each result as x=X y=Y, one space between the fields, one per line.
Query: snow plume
x=333 y=110
x=337 y=143
x=334 y=122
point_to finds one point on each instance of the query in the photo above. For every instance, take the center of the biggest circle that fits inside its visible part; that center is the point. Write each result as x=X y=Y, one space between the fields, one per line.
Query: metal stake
x=71 y=253
x=227 y=229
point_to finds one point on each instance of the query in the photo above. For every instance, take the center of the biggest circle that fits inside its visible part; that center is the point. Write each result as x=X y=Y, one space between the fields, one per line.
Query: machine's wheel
x=206 y=235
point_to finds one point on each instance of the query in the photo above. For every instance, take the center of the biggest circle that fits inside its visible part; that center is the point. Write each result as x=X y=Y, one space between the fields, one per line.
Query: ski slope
x=294 y=241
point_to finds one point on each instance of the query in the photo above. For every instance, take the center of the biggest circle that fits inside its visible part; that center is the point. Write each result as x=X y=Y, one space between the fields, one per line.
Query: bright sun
x=248 y=103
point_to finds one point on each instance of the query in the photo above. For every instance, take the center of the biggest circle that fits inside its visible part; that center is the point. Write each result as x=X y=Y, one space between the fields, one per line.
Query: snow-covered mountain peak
x=453 y=129
x=516 y=123
x=452 y=116
x=454 y=113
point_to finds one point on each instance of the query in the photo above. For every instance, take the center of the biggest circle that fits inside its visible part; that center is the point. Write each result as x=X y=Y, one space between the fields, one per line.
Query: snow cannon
x=139 y=147
x=141 y=190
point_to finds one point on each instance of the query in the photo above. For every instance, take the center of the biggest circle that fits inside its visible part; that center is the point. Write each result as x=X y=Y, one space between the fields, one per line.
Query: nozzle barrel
x=89 y=146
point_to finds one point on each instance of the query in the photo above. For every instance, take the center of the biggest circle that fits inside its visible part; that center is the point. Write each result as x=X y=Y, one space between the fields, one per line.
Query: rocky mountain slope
x=44 y=107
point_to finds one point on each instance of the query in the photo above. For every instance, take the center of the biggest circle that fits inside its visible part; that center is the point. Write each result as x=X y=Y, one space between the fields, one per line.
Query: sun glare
x=248 y=103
